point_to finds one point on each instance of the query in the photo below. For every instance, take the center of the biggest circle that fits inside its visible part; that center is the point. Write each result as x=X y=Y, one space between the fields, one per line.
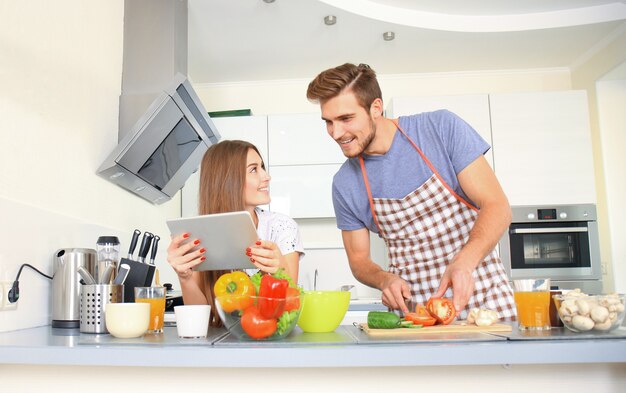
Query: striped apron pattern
x=425 y=230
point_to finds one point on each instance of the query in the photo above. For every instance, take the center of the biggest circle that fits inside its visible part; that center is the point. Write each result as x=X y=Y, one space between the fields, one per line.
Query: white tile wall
x=32 y=235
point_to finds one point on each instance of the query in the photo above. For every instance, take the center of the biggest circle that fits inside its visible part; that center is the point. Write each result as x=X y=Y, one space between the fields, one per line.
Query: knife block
x=139 y=275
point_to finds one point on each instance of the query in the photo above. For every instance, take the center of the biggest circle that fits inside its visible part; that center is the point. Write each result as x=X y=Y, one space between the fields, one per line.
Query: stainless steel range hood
x=164 y=129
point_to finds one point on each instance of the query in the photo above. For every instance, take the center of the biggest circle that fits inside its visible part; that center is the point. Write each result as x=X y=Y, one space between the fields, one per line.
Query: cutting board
x=454 y=327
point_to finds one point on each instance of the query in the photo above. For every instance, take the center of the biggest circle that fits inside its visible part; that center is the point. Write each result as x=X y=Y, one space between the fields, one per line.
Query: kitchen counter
x=346 y=347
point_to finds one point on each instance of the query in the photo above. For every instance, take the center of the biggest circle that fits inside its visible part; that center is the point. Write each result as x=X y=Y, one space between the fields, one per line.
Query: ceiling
x=250 y=40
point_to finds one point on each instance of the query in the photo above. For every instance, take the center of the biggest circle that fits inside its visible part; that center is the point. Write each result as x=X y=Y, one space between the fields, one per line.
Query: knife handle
x=145 y=246
x=154 y=249
x=133 y=243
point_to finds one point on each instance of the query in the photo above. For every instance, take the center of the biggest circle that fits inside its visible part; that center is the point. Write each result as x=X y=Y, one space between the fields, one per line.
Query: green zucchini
x=383 y=320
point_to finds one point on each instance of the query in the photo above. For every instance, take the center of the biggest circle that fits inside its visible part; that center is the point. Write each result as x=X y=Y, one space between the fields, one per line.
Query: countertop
x=348 y=346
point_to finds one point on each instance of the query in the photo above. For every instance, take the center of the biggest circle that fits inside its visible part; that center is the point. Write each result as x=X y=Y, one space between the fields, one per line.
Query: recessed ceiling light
x=268 y=1
x=389 y=35
x=330 y=20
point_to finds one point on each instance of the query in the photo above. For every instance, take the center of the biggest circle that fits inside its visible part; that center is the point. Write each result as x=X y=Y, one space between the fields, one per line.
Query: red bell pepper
x=272 y=294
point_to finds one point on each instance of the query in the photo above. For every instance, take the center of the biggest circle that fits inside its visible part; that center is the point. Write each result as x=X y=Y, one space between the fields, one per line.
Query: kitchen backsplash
x=32 y=235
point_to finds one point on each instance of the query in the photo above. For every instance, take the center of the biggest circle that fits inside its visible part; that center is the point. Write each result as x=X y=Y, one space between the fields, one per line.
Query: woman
x=233 y=178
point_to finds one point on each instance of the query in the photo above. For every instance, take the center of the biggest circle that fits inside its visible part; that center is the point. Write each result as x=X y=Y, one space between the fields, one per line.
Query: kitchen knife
x=133 y=243
x=154 y=249
x=410 y=304
x=145 y=246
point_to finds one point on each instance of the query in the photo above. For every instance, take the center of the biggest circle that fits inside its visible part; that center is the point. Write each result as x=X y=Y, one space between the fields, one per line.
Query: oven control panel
x=582 y=212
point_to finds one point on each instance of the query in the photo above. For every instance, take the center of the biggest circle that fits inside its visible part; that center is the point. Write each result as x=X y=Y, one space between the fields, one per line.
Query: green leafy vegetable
x=286 y=321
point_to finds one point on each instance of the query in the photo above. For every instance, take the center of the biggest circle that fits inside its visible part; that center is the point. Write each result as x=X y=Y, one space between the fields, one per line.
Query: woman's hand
x=181 y=258
x=266 y=256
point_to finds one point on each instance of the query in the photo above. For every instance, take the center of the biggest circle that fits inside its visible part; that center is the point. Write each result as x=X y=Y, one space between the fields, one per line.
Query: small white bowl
x=127 y=320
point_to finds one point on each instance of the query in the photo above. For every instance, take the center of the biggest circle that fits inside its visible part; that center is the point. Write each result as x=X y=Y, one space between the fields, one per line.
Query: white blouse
x=280 y=229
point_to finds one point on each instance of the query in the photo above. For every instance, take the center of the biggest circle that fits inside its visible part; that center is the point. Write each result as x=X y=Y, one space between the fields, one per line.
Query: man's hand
x=458 y=275
x=395 y=292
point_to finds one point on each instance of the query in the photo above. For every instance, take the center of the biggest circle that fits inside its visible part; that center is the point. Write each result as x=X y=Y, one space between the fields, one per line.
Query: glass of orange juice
x=532 y=299
x=155 y=296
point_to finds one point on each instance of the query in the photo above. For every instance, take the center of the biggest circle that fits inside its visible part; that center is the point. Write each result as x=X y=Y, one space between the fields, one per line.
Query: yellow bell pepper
x=234 y=291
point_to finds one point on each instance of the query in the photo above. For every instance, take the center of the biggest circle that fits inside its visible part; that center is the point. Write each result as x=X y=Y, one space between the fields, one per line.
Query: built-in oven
x=557 y=242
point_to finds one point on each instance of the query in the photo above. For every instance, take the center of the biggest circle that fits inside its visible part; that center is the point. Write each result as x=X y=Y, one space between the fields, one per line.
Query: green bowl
x=323 y=311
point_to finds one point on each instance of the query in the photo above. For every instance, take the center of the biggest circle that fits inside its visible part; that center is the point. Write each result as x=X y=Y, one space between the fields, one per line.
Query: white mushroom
x=599 y=314
x=606 y=325
x=482 y=317
x=486 y=317
x=568 y=307
x=583 y=307
x=575 y=293
x=582 y=323
x=471 y=316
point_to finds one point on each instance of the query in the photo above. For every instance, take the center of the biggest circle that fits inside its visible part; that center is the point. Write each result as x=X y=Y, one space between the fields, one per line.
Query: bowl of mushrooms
x=581 y=312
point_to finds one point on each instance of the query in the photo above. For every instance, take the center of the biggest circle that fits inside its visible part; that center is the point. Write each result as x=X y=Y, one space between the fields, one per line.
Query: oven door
x=556 y=250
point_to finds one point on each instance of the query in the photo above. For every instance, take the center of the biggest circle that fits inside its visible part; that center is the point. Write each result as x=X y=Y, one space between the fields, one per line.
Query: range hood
x=164 y=130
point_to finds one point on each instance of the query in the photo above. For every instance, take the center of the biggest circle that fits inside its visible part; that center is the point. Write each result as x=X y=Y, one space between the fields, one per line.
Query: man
x=421 y=182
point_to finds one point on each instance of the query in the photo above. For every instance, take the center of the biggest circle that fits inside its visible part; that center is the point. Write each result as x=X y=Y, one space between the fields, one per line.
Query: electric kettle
x=66 y=284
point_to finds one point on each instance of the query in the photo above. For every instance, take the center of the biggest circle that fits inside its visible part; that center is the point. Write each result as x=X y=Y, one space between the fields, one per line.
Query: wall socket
x=5 y=287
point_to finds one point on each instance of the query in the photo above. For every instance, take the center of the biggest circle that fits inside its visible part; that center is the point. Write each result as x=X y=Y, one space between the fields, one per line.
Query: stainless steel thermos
x=66 y=284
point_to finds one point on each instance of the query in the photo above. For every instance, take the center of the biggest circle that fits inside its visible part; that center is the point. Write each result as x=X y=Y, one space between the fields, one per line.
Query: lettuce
x=285 y=321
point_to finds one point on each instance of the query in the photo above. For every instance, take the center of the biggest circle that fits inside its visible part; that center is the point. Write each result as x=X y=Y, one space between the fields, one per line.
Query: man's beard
x=363 y=145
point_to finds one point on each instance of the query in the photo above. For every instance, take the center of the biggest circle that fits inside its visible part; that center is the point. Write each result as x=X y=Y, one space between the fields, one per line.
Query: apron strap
x=432 y=168
x=426 y=160
x=369 y=192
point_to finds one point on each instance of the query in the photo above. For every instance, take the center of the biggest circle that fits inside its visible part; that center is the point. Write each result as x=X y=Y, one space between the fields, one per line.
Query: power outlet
x=5 y=287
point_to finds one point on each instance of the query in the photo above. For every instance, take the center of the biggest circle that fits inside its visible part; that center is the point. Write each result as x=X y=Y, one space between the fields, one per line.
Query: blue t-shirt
x=448 y=142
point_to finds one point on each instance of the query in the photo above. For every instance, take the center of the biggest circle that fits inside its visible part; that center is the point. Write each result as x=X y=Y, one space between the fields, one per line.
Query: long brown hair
x=222 y=182
x=361 y=80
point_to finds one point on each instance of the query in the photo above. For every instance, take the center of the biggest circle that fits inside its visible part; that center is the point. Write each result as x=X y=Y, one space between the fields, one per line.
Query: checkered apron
x=425 y=230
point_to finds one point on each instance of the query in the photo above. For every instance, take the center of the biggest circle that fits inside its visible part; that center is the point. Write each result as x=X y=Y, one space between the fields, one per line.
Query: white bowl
x=127 y=320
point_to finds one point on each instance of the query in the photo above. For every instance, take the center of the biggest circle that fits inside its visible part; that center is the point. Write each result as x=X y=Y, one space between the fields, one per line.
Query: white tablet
x=225 y=236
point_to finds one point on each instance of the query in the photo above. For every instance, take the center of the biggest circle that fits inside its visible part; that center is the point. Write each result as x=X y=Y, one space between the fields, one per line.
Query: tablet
x=225 y=236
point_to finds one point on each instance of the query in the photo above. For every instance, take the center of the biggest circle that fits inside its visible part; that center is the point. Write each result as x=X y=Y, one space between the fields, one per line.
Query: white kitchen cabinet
x=252 y=129
x=473 y=108
x=542 y=147
x=299 y=139
x=303 y=160
x=303 y=191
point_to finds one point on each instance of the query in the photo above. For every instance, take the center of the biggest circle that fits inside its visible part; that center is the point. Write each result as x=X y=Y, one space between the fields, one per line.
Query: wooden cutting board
x=454 y=327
